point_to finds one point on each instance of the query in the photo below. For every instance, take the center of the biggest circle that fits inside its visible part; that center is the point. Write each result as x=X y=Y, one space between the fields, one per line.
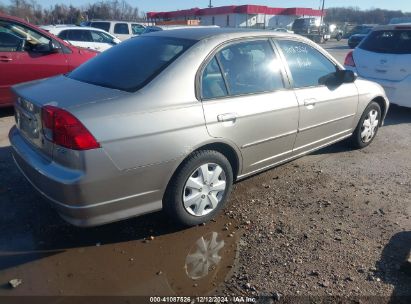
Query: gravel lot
x=334 y=223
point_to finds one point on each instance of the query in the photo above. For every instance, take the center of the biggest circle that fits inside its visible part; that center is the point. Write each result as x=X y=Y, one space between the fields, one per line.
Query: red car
x=28 y=53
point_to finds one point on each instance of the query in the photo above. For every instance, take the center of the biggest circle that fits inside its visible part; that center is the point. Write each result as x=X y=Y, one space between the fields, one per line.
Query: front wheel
x=367 y=127
x=199 y=189
x=339 y=37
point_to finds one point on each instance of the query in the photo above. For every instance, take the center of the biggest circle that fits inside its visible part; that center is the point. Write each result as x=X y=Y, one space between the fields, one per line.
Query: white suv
x=121 y=29
x=86 y=37
x=384 y=56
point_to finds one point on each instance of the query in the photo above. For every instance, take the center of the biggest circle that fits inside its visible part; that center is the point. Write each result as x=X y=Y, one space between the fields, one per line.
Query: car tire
x=367 y=127
x=196 y=193
x=339 y=37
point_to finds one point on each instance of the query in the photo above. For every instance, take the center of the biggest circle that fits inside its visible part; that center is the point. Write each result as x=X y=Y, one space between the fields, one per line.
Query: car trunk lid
x=61 y=92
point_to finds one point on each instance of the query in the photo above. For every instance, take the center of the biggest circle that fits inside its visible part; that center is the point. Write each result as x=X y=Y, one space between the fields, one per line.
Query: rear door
x=385 y=54
x=246 y=101
x=81 y=38
x=326 y=113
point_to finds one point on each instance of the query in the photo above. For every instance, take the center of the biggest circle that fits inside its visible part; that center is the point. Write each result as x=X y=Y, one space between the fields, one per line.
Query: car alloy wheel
x=204 y=189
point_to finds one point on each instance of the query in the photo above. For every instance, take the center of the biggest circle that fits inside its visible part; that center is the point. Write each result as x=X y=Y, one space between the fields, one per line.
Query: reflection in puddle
x=203 y=256
x=188 y=262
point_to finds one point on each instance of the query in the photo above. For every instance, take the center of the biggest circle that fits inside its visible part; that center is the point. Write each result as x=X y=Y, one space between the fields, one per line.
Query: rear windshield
x=105 y=26
x=388 y=41
x=132 y=64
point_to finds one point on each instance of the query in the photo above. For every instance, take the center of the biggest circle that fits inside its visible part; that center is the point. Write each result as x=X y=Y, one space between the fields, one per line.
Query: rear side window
x=79 y=35
x=101 y=25
x=388 y=41
x=250 y=67
x=212 y=81
x=307 y=65
x=121 y=28
x=133 y=63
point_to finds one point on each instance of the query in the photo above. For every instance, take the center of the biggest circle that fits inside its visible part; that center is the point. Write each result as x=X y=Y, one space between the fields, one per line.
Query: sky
x=167 y=5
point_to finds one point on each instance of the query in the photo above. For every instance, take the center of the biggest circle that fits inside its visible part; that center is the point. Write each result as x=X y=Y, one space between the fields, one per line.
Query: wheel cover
x=204 y=189
x=369 y=126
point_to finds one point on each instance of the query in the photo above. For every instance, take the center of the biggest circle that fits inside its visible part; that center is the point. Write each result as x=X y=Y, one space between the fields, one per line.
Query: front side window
x=137 y=29
x=121 y=28
x=308 y=66
x=15 y=37
x=251 y=67
x=133 y=63
x=212 y=81
x=101 y=37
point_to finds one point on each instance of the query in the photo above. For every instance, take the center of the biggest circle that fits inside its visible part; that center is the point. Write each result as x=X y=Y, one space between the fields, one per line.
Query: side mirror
x=46 y=48
x=338 y=78
x=346 y=76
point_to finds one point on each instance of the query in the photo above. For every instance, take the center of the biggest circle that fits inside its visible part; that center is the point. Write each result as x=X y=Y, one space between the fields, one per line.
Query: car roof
x=393 y=26
x=207 y=32
x=70 y=27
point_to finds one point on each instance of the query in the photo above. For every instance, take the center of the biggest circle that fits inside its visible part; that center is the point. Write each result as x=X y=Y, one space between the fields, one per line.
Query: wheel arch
x=383 y=105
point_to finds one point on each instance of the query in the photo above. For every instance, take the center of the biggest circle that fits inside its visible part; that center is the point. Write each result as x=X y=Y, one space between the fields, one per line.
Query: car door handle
x=5 y=59
x=310 y=102
x=227 y=117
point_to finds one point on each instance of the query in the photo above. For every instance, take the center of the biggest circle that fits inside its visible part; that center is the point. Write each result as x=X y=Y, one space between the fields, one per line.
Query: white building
x=254 y=16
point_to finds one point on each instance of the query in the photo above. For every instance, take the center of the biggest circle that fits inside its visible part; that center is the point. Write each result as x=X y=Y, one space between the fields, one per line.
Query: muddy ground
x=336 y=222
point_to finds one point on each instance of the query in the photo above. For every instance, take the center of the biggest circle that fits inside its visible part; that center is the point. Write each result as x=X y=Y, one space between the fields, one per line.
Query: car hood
x=64 y=92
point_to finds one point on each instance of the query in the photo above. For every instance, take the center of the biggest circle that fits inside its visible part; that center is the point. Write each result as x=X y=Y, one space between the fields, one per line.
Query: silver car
x=171 y=119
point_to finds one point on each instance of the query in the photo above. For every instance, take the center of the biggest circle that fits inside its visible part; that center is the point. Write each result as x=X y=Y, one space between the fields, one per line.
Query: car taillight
x=349 y=59
x=63 y=129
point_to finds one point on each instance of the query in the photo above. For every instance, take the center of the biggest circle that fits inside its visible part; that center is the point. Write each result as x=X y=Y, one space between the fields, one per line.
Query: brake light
x=349 y=59
x=63 y=129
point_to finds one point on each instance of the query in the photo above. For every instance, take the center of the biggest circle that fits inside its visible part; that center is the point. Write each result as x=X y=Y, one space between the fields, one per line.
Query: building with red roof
x=254 y=16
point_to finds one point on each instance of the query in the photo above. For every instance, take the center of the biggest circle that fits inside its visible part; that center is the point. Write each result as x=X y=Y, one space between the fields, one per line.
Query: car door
x=81 y=38
x=10 y=43
x=122 y=31
x=326 y=112
x=246 y=101
x=27 y=62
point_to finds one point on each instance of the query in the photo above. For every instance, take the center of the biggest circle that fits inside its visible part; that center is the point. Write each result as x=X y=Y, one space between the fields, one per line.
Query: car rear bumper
x=86 y=200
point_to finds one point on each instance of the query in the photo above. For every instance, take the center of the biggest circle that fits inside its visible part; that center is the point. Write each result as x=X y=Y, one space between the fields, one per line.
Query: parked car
x=169 y=120
x=28 y=53
x=85 y=37
x=384 y=56
x=335 y=32
x=311 y=28
x=121 y=29
x=358 y=29
x=355 y=39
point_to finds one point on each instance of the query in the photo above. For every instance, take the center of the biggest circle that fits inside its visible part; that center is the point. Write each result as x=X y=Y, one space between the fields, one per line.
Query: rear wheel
x=339 y=37
x=367 y=127
x=200 y=188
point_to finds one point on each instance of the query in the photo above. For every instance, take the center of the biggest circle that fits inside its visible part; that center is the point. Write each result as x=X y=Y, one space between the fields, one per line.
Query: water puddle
x=61 y=260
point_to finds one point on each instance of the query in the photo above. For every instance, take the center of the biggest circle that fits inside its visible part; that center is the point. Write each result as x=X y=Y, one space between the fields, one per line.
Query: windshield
x=133 y=63
x=388 y=41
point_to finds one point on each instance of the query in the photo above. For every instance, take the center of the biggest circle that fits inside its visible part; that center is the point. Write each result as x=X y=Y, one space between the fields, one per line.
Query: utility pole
x=210 y=5
x=321 y=21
